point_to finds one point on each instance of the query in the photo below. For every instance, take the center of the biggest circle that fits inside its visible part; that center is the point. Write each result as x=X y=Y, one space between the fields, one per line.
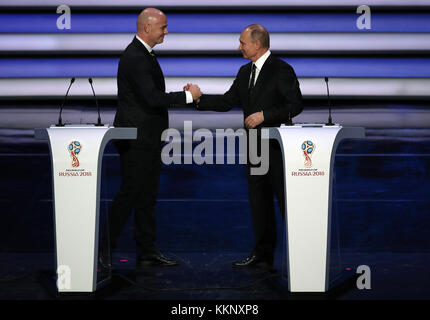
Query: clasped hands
x=194 y=90
x=251 y=121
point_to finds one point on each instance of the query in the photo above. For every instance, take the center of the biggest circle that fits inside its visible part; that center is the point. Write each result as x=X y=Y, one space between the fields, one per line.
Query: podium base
x=345 y=282
x=105 y=288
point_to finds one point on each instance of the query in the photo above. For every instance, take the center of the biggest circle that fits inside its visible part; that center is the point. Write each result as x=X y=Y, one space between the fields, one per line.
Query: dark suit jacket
x=142 y=100
x=276 y=93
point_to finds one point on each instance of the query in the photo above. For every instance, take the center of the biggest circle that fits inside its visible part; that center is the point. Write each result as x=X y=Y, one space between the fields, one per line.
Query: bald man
x=269 y=94
x=143 y=104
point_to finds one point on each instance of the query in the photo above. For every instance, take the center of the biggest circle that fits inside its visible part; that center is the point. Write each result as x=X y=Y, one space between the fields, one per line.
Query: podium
x=76 y=156
x=308 y=153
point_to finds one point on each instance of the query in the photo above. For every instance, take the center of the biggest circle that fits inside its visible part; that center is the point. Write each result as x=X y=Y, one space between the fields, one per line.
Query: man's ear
x=257 y=44
x=147 y=28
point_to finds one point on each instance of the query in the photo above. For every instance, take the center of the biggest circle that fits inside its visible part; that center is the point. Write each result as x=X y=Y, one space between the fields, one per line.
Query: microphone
x=60 y=121
x=289 y=122
x=330 y=122
x=99 y=120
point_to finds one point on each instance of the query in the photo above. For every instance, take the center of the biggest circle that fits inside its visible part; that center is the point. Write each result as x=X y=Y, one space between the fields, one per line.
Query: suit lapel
x=158 y=73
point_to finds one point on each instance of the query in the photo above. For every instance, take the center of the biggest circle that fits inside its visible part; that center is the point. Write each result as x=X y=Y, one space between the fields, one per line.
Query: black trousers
x=261 y=192
x=140 y=171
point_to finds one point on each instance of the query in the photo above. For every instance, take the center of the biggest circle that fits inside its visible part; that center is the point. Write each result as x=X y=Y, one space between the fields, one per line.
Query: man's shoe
x=253 y=261
x=105 y=262
x=155 y=259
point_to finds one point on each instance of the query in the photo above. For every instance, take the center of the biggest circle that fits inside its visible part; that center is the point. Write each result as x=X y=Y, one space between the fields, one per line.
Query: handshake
x=194 y=90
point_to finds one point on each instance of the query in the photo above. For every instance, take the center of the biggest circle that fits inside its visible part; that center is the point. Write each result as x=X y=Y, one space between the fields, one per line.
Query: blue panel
x=197 y=23
x=365 y=67
x=217 y=67
x=305 y=67
x=80 y=23
x=74 y=67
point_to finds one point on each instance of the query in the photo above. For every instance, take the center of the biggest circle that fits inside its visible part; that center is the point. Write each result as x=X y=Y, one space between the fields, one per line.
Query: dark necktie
x=154 y=58
x=251 y=84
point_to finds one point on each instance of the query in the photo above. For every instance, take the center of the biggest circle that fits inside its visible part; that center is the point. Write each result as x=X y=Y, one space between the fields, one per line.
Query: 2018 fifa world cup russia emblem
x=308 y=147
x=74 y=149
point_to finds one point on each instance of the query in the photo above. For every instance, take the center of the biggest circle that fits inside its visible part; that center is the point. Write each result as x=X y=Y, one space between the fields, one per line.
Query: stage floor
x=209 y=276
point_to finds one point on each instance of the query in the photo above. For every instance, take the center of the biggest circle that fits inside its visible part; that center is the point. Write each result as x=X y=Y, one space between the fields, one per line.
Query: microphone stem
x=330 y=121
x=99 y=120
x=60 y=120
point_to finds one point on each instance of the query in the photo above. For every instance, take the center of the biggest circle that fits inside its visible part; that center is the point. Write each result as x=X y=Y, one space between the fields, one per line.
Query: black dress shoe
x=155 y=259
x=105 y=263
x=253 y=261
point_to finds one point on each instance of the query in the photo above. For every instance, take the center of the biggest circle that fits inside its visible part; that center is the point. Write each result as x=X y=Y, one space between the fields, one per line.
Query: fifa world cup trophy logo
x=308 y=148
x=74 y=149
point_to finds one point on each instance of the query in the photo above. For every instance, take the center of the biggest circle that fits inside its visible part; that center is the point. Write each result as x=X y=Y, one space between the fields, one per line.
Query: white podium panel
x=308 y=155
x=76 y=155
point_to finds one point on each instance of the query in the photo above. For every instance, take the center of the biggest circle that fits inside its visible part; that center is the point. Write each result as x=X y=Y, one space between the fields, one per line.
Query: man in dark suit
x=269 y=93
x=143 y=103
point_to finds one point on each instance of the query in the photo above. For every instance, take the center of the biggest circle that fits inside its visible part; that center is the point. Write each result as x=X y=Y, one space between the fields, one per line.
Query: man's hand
x=195 y=91
x=254 y=120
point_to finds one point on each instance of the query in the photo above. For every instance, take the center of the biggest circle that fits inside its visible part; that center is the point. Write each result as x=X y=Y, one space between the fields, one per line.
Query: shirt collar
x=260 y=62
x=147 y=46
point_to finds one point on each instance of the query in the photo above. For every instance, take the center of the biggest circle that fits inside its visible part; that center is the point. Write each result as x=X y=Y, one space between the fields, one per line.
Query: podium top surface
x=86 y=126
x=113 y=132
x=321 y=130
x=311 y=125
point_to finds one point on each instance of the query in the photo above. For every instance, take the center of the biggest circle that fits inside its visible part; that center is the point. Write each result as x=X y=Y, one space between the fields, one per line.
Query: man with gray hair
x=269 y=94
x=143 y=104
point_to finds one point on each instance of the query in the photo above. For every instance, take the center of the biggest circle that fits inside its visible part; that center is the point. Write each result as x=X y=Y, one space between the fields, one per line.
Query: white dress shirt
x=188 y=95
x=258 y=65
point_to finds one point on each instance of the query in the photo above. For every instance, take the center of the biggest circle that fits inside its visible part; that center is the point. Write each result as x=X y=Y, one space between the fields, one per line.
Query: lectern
x=76 y=155
x=308 y=152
